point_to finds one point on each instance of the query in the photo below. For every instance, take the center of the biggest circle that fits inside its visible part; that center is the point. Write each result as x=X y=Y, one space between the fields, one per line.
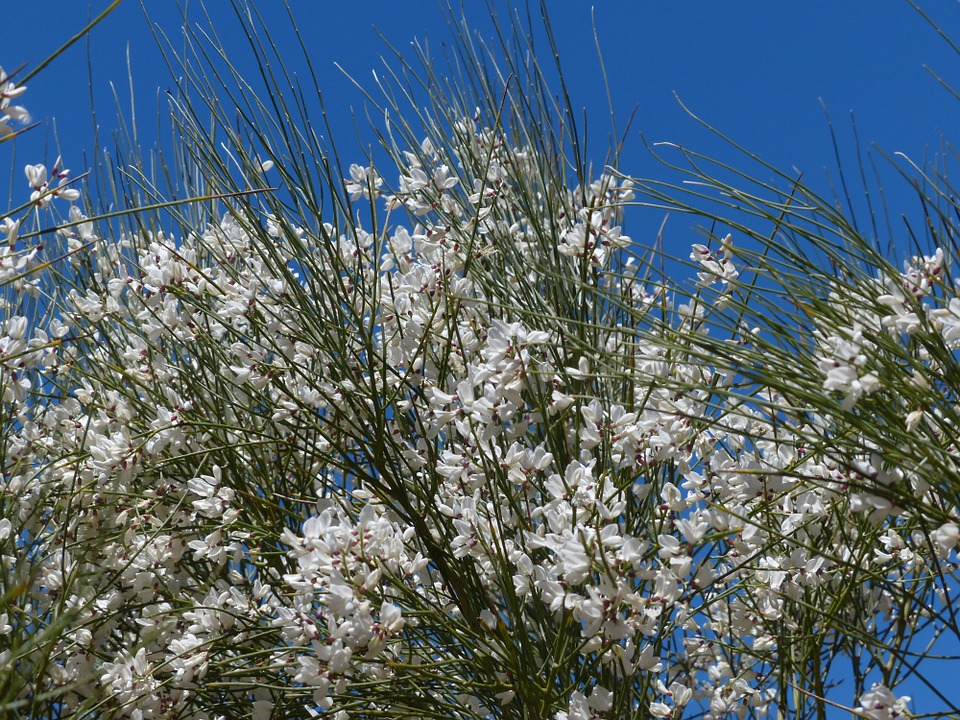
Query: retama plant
x=431 y=436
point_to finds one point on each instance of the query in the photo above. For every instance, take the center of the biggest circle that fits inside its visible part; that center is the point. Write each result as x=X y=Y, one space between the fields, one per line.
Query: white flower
x=363 y=182
x=880 y=704
x=9 y=91
x=948 y=321
x=660 y=710
x=946 y=537
x=36 y=176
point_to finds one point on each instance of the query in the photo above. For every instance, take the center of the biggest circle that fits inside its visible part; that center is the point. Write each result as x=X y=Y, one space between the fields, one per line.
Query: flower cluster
x=232 y=472
x=468 y=455
x=9 y=113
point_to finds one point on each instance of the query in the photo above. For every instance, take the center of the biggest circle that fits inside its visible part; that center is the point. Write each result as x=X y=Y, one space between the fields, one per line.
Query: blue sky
x=754 y=69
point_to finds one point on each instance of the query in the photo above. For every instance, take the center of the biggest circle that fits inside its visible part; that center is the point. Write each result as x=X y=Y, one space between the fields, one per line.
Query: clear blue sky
x=755 y=69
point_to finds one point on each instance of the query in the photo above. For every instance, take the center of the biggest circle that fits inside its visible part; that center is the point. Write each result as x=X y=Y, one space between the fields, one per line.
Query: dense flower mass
x=469 y=456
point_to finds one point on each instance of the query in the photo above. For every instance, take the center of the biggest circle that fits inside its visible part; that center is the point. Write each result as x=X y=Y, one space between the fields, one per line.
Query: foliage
x=281 y=439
